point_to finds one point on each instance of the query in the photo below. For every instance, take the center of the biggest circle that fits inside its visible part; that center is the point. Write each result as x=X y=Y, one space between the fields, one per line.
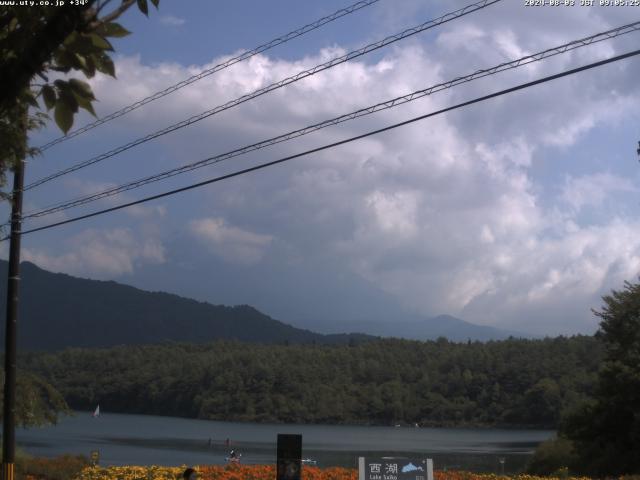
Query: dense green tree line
x=600 y=437
x=512 y=382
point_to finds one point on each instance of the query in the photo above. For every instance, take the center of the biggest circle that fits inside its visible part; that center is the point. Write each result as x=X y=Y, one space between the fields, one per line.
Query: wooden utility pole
x=13 y=288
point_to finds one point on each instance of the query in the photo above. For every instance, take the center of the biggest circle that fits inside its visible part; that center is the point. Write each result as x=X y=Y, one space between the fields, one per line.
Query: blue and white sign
x=394 y=468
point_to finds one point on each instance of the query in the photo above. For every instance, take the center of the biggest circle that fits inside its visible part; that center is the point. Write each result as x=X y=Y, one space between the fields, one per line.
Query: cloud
x=561 y=279
x=230 y=243
x=172 y=20
x=84 y=188
x=98 y=253
x=458 y=214
x=594 y=189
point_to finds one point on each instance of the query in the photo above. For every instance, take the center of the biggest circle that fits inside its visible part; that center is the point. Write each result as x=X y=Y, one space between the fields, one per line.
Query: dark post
x=289 y=462
x=13 y=284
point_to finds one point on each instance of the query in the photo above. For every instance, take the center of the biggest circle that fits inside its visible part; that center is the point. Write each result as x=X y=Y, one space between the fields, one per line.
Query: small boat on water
x=309 y=461
x=97 y=412
x=233 y=457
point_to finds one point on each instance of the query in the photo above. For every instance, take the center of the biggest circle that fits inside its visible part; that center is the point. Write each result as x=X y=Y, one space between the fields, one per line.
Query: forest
x=510 y=383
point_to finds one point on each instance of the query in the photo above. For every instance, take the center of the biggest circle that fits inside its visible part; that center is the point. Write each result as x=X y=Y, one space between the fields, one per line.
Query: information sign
x=394 y=468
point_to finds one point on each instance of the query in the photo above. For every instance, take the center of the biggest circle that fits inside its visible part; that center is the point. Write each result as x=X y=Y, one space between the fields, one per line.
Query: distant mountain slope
x=452 y=328
x=414 y=327
x=59 y=311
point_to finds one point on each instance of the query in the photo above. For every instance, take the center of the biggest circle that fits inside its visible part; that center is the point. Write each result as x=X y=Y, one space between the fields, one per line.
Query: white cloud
x=98 y=253
x=467 y=37
x=230 y=243
x=172 y=20
x=561 y=279
x=448 y=215
x=82 y=188
x=593 y=190
x=394 y=213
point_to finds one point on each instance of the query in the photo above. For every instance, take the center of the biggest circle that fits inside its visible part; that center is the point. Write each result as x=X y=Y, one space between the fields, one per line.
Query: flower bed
x=212 y=472
x=63 y=467
x=267 y=472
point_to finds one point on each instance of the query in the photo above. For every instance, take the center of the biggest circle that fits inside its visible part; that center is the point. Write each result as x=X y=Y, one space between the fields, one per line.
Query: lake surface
x=151 y=440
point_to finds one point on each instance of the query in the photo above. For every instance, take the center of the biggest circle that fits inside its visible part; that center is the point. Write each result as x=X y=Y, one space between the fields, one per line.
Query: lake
x=151 y=440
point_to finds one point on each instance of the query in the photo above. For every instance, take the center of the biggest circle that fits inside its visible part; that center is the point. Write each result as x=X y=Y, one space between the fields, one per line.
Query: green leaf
x=81 y=62
x=61 y=85
x=84 y=102
x=71 y=38
x=144 y=8
x=30 y=99
x=114 y=30
x=104 y=64
x=90 y=71
x=81 y=88
x=64 y=58
x=83 y=44
x=49 y=96
x=61 y=69
x=69 y=98
x=100 y=42
x=63 y=116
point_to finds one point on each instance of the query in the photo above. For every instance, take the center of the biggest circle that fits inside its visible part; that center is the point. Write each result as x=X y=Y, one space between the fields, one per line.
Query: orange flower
x=266 y=472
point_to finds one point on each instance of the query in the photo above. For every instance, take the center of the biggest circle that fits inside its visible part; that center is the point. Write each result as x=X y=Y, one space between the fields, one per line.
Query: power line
x=335 y=144
x=210 y=71
x=623 y=30
x=274 y=86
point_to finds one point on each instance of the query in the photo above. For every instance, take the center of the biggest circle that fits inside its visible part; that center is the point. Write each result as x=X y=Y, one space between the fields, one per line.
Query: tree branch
x=126 y=4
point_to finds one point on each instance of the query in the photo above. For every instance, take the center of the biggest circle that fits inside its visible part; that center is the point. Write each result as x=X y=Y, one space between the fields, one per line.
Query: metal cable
x=335 y=144
x=599 y=37
x=210 y=71
x=261 y=91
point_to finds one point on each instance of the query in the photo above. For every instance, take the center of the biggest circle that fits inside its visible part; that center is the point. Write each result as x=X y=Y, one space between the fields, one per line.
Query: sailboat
x=97 y=412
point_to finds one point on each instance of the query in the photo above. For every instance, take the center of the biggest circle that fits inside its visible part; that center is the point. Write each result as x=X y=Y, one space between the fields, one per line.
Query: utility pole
x=13 y=288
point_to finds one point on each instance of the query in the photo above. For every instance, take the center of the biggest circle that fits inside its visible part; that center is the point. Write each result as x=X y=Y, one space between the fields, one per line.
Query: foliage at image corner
x=601 y=436
x=38 y=402
x=39 y=43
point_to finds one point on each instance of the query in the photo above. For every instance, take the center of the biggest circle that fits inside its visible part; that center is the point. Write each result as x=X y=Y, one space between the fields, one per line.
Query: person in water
x=190 y=474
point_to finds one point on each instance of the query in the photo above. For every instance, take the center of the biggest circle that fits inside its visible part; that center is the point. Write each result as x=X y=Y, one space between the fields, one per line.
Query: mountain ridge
x=416 y=327
x=58 y=310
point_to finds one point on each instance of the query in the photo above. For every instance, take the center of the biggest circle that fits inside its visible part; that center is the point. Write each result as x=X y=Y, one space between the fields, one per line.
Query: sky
x=520 y=212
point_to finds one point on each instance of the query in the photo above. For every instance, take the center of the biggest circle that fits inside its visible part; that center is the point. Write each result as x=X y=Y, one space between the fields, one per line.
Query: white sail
x=97 y=412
